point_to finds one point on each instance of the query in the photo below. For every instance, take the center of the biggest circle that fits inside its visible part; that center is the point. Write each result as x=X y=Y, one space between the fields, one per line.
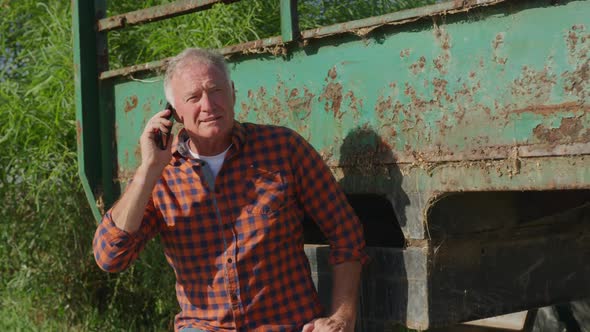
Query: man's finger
x=308 y=327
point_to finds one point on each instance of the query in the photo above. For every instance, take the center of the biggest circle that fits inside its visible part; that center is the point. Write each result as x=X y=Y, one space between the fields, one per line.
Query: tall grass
x=235 y=23
x=48 y=278
x=45 y=225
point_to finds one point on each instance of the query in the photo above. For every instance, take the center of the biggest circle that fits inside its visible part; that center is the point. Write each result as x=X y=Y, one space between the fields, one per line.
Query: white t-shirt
x=215 y=162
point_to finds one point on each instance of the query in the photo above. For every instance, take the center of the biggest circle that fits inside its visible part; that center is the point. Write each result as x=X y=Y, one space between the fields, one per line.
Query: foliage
x=220 y=26
x=45 y=225
x=225 y=25
x=316 y=13
x=48 y=276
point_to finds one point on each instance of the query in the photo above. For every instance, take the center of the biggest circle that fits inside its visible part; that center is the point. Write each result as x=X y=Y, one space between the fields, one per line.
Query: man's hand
x=327 y=324
x=151 y=155
x=346 y=279
x=127 y=213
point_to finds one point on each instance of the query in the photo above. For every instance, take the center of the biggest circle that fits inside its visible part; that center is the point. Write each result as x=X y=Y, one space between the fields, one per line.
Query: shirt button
x=229 y=260
x=234 y=297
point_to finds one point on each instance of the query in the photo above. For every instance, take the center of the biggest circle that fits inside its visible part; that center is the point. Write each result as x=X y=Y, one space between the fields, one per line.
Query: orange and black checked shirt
x=236 y=243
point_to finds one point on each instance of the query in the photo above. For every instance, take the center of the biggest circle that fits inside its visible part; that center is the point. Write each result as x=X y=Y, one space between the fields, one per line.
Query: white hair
x=189 y=56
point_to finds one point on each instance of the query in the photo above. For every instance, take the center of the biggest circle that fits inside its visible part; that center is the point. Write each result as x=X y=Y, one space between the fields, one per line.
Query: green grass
x=18 y=313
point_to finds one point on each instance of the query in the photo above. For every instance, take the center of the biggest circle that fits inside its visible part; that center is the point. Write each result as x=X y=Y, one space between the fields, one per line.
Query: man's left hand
x=327 y=324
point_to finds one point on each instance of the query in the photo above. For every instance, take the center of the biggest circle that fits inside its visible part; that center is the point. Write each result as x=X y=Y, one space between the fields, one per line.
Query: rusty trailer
x=460 y=131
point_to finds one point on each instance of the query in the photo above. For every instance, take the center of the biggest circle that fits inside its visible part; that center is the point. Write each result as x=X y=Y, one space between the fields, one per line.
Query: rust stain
x=575 y=35
x=300 y=105
x=130 y=103
x=440 y=90
x=440 y=63
x=465 y=102
x=259 y=104
x=332 y=94
x=499 y=40
x=418 y=67
x=384 y=105
x=404 y=53
x=535 y=85
x=355 y=104
x=442 y=37
x=283 y=106
x=576 y=82
x=332 y=73
x=243 y=116
x=275 y=113
x=552 y=109
x=147 y=108
x=570 y=130
x=124 y=175
x=572 y=41
x=78 y=132
x=497 y=44
x=444 y=41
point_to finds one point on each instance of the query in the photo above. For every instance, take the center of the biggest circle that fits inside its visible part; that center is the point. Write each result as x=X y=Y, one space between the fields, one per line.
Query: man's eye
x=193 y=98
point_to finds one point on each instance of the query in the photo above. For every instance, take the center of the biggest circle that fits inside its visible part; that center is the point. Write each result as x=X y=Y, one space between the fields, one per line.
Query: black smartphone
x=161 y=137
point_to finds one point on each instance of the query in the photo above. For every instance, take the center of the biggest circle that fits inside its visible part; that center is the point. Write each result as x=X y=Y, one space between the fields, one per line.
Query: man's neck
x=206 y=147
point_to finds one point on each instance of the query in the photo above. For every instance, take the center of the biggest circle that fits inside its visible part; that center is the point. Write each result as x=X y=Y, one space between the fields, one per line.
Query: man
x=228 y=204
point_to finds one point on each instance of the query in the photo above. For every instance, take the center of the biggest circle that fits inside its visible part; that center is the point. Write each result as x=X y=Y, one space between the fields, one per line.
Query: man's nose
x=206 y=105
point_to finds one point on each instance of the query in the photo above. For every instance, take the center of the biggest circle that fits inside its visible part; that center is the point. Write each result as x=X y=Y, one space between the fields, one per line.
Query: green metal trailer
x=459 y=130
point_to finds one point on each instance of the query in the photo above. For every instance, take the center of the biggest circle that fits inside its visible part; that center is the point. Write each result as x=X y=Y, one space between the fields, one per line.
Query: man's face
x=204 y=100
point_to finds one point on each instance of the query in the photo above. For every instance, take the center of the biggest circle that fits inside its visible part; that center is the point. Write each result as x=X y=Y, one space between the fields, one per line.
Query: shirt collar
x=183 y=152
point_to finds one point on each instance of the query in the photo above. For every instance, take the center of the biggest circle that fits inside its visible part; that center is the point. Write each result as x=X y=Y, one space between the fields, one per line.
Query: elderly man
x=228 y=203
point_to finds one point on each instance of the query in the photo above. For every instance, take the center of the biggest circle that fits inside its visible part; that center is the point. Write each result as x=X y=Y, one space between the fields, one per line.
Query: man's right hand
x=128 y=212
x=152 y=157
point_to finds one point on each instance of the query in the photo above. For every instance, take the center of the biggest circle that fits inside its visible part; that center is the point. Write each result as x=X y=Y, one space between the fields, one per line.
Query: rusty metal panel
x=537 y=264
x=477 y=86
x=136 y=102
x=94 y=163
x=484 y=100
x=467 y=89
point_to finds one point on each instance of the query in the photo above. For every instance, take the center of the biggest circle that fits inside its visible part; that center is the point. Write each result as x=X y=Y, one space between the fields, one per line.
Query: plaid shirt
x=235 y=242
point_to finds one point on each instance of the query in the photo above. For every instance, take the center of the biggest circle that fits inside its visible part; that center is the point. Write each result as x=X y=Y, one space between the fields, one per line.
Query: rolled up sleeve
x=115 y=249
x=324 y=201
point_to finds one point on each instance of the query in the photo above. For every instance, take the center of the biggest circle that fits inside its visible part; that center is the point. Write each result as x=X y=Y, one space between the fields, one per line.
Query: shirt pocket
x=266 y=191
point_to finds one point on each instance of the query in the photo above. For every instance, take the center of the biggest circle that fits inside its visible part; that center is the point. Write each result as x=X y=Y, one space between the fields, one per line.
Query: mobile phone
x=161 y=137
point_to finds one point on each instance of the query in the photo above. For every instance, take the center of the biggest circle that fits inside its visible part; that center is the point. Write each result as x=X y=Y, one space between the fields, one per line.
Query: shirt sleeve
x=324 y=201
x=114 y=248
